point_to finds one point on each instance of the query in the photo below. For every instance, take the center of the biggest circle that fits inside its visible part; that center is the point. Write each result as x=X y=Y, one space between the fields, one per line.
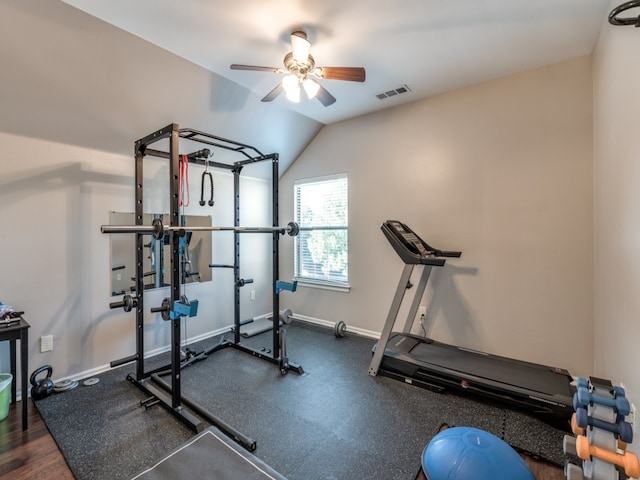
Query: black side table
x=18 y=331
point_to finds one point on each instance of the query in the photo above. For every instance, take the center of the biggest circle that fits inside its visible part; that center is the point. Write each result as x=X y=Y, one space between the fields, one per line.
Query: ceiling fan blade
x=325 y=97
x=255 y=68
x=269 y=97
x=350 y=74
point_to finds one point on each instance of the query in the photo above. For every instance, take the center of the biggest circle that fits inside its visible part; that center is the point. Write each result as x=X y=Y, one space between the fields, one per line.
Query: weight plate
x=90 y=381
x=64 y=385
x=340 y=329
x=287 y=316
x=166 y=308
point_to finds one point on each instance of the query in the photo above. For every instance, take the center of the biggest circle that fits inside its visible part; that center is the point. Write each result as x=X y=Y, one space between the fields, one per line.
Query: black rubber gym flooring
x=335 y=422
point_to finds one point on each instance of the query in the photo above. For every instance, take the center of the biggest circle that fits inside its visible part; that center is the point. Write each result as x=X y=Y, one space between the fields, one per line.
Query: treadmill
x=537 y=389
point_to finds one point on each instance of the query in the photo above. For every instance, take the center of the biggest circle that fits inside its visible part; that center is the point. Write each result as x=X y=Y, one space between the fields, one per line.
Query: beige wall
x=501 y=171
x=617 y=207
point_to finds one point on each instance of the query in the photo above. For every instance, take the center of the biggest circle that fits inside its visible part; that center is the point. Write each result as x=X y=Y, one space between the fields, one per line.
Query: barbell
x=158 y=230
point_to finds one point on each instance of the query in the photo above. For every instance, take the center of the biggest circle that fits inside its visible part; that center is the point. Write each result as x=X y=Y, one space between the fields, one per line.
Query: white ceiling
x=431 y=46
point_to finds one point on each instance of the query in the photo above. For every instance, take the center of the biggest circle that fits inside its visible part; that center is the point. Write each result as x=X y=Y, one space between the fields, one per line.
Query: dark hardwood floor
x=543 y=470
x=32 y=454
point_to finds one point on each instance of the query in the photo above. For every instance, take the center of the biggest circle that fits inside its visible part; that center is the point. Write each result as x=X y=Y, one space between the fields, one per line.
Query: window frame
x=310 y=281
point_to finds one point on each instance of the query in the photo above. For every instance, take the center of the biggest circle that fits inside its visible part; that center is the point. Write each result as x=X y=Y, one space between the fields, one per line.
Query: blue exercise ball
x=462 y=453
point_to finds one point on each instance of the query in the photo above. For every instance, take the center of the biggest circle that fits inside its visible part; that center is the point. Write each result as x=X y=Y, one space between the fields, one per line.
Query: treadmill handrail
x=430 y=260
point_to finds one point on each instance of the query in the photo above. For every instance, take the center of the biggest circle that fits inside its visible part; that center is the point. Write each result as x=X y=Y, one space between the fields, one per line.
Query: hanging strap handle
x=206 y=174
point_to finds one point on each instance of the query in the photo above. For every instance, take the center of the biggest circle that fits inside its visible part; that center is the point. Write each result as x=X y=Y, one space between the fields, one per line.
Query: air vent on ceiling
x=394 y=92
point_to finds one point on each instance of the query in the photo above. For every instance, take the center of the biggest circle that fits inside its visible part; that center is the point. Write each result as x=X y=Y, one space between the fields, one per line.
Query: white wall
x=56 y=264
x=617 y=206
x=501 y=171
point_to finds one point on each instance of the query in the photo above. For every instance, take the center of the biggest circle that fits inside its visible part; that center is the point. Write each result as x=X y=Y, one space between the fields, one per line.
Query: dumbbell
x=582 y=382
x=622 y=430
x=573 y=472
x=569 y=445
x=628 y=460
x=622 y=445
x=583 y=397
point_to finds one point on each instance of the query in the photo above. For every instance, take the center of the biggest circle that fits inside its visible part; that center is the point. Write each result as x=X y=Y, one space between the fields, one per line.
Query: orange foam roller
x=627 y=460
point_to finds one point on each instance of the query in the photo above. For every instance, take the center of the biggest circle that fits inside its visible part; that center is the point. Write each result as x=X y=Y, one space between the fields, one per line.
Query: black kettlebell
x=44 y=387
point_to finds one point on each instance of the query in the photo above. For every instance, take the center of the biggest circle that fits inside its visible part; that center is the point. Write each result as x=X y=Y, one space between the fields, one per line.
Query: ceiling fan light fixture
x=293 y=95
x=299 y=66
x=311 y=87
x=291 y=83
x=300 y=46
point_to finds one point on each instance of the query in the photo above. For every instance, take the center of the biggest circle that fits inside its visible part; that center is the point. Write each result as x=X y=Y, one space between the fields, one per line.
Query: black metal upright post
x=139 y=159
x=174 y=213
x=236 y=254
x=276 y=258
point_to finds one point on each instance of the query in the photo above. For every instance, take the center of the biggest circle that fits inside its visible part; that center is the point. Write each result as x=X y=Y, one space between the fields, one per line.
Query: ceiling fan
x=300 y=70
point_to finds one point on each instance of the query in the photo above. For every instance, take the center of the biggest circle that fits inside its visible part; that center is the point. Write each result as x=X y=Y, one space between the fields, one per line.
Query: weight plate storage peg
x=164 y=309
x=128 y=303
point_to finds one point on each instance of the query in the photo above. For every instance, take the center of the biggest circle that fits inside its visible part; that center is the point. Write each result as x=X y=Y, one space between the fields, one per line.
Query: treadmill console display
x=408 y=238
x=410 y=247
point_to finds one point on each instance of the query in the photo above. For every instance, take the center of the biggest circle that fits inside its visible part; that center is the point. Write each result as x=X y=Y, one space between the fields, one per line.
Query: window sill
x=304 y=282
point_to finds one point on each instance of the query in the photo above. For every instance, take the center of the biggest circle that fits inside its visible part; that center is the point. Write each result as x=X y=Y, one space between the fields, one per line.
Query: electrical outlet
x=422 y=314
x=46 y=343
x=253 y=295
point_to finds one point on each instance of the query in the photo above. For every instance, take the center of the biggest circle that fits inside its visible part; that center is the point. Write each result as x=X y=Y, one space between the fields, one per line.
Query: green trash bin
x=5 y=394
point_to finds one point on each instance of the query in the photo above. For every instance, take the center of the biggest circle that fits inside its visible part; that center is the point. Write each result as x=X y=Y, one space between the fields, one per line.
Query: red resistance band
x=183 y=181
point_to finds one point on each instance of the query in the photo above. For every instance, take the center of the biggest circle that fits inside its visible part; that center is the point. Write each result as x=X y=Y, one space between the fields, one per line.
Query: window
x=321 y=254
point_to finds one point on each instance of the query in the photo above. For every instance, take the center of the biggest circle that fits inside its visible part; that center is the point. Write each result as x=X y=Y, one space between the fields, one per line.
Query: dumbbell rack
x=601 y=433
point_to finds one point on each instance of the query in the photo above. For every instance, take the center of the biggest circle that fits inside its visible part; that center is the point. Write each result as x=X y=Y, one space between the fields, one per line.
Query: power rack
x=169 y=395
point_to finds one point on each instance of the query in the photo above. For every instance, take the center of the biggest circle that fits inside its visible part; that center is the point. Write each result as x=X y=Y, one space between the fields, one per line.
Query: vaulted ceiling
x=429 y=45
x=102 y=74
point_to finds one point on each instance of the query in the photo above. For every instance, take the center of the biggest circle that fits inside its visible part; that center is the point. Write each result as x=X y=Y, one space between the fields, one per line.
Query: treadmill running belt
x=466 y=363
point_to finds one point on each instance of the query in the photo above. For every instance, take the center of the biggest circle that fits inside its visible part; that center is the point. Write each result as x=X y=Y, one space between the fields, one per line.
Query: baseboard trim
x=204 y=336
